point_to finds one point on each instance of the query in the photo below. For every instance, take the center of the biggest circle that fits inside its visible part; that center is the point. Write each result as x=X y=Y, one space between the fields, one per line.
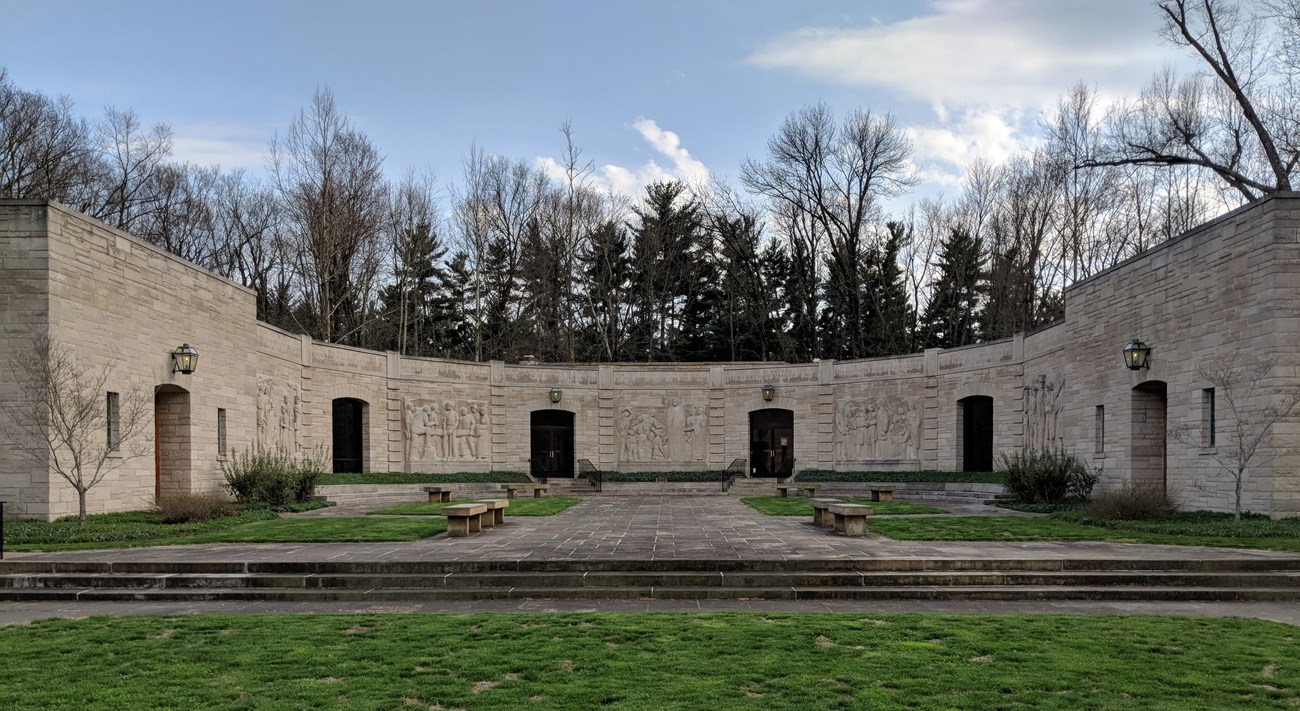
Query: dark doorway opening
x=975 y=430
x=349 y=435
x=551 y=447
x=171 y=441
x=771 y=442
x=1149 y=443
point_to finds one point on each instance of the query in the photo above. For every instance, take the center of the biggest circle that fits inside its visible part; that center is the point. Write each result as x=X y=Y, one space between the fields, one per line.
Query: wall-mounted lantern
x=769 y=392
x=1137 y=355
x=556 y=394
x=185 y=359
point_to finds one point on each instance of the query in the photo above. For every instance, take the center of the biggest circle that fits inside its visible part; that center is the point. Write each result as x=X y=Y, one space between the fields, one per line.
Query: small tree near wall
x=66 y=414
x=1250 y=411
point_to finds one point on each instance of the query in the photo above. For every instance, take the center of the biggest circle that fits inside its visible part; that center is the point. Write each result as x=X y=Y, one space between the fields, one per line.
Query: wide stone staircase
x=1227 y=579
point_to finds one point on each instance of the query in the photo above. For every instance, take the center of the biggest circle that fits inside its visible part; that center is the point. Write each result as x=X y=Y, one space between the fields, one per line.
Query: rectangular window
x=1208 y=438
x=221 y=431
x=114 y=422
x=1099 y=432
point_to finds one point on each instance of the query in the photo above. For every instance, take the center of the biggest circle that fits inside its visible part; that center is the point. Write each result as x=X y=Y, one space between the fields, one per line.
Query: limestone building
x=1228 y=288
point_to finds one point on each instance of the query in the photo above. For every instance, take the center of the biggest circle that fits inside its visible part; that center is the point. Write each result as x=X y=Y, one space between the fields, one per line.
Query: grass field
x=548 y=506
x=141 y=528
x=799 y=506
x=1060 y=527
x=651 y=661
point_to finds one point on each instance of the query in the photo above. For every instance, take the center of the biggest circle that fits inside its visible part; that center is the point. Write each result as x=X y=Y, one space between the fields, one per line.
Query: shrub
x=1132 y=502
x=273 y=477
x=1046 y=476
x=191 y=508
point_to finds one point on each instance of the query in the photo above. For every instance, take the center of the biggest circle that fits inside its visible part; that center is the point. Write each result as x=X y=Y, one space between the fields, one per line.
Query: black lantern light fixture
x=1137 y=355
x=185 y=359
x=556 y=394
x=769 y=392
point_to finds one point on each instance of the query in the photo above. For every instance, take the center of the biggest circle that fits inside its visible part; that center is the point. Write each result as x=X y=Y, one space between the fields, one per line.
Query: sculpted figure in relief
x=279 y=415
x=1041 y=411
x=450 y=430
x=877 y=428
x=680 y=435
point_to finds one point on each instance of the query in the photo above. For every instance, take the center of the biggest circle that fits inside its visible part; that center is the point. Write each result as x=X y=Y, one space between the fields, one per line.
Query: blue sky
x=663 y=89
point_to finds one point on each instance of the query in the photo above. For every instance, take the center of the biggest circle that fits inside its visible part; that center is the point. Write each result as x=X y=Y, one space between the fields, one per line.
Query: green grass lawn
x=548 y=506
x=651 y=661
x=799 y=506
x=141 y=528
x=1066 y=527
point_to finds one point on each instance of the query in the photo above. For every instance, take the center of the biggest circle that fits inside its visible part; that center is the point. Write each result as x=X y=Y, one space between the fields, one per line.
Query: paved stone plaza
x=655 y=528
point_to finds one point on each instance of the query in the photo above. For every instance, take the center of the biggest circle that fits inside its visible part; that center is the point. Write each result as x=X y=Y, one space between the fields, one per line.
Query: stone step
x=970 y=592
x=650 y=580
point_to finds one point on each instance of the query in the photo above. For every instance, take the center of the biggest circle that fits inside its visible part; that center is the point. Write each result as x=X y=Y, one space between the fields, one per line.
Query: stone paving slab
x=656 y=528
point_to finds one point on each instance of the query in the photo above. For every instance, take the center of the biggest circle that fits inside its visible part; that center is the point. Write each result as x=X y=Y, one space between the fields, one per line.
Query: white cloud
x=681 y=165
x=1021 y=52
x=229 y=146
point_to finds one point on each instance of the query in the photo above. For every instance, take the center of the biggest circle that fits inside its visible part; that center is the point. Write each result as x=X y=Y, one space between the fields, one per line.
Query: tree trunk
x=81 y=507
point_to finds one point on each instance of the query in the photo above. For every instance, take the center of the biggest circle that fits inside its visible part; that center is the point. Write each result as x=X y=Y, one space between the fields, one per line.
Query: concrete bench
x=850 y=519
x=496 y=512
x=464 y=519
x=822 y=517
x=882 y=493
x=438 y=494
x=539 y=490
x=807 y=490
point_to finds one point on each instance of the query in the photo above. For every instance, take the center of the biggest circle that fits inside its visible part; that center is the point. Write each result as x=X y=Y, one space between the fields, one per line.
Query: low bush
x=192 y=508
x=423 y=478
x=714 y=476
x=1131 y=502
x=927 y=476
x=1046 y=476
x=273 y=477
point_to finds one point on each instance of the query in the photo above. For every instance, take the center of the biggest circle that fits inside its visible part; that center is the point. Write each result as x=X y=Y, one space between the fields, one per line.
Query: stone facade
x=1227 y=287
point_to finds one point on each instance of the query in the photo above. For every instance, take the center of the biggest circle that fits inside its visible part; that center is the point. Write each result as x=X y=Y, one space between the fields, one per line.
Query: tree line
x=795 y=260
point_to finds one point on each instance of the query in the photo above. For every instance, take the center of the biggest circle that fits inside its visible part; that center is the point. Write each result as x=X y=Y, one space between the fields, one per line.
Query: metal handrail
x=733 y=470
x=588 y=471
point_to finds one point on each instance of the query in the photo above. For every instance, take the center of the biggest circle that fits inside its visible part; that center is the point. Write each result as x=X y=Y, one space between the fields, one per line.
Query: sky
x=669 y=89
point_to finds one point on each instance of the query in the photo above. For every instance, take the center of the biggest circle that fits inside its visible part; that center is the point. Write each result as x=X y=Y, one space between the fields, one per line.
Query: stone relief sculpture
x=1042 y=406
x=679 y=435
x=279 y=414
x=448 y=430
x=878 y=428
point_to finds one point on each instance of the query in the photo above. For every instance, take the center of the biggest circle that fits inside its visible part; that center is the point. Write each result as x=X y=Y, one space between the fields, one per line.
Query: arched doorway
x=771 y=442
x=975 y=433
x=551 y=443
x=349 y=424
x=1147 y=447
x=171 y=441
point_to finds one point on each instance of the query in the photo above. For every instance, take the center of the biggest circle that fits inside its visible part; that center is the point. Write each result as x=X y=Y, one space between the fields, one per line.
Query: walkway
x=655 y=528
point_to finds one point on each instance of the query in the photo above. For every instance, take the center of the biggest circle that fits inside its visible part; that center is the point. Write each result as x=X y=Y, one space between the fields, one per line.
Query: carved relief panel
x=445 y=430
x=1042 y=405
x=875 y=428
x=677 y=432
x=279 y=414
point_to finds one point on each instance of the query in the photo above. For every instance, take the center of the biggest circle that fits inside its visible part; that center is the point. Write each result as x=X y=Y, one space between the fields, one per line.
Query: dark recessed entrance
x=975 y=429
x=349 y=434
x=771 y=442
x=551 y=448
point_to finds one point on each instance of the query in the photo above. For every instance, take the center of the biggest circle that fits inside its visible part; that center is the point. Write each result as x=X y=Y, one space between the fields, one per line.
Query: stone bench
x=438 y=494
x=850 y=519
x=807 y=490
x=496 y=512
x=882 y=493
x=464 y=519
x=822 y=517
x=539 y=490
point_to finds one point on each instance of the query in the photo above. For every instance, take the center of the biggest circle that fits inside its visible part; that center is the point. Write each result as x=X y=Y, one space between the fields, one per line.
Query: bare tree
x=335 y=201
x=44 y=148
x=1237 y=117
x=1252 y=407
x=66 y=419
